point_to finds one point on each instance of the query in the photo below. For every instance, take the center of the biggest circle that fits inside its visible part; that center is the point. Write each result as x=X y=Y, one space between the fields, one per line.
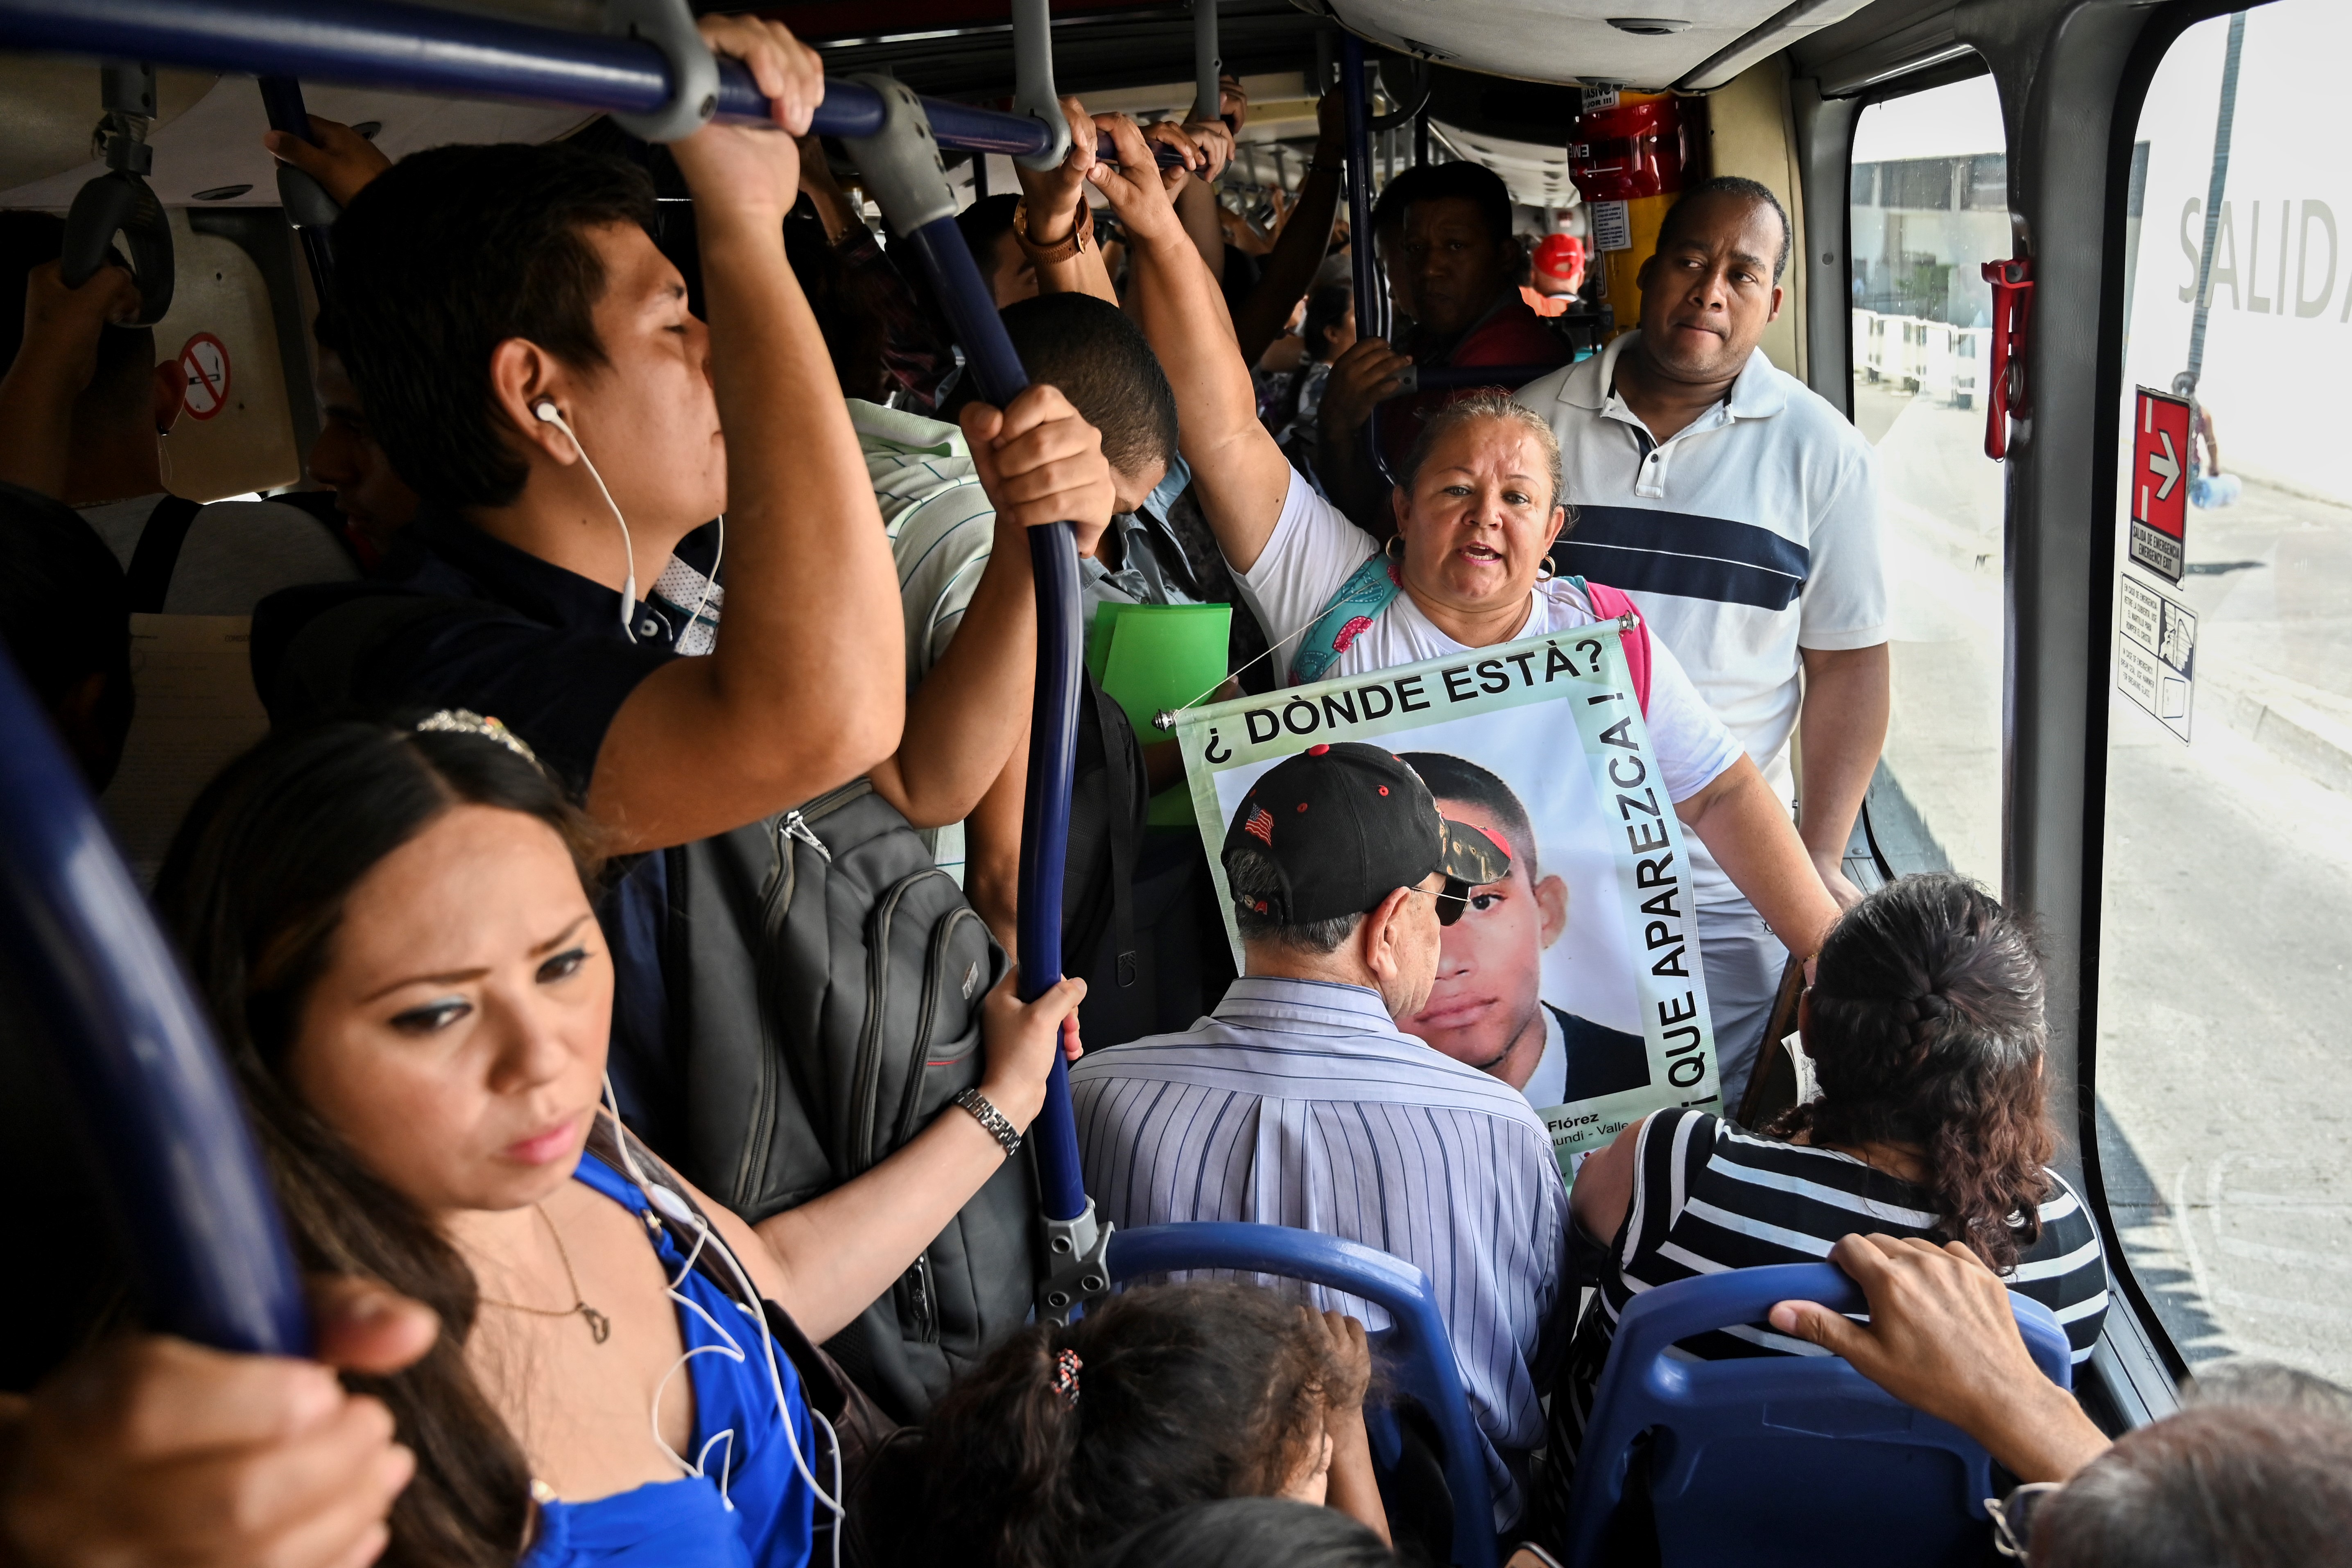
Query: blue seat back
x=1419 y=1353
x=1785 y=1458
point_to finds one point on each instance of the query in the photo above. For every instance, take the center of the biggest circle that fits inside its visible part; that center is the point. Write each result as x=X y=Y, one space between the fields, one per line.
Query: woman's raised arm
x=1239 y=474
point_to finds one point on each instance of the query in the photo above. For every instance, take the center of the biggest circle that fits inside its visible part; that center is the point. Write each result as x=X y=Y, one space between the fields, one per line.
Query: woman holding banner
x=1477 y=511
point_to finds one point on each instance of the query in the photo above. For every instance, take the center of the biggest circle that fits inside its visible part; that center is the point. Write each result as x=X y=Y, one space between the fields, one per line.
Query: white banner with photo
x=1577 y=979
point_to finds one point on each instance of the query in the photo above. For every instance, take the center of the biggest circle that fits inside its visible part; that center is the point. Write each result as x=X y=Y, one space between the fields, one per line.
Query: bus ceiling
x=1503 y=81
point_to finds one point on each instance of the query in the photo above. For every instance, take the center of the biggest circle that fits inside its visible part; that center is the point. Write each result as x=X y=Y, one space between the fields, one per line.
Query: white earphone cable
x=718 y=558
x=831 y=1502
x=549 y=413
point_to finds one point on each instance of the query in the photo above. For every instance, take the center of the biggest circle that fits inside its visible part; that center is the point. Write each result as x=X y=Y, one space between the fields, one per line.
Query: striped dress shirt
x=1299 y=1103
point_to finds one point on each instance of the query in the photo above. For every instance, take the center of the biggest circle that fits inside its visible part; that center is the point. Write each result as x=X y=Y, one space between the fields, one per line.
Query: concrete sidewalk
x=2303 y=725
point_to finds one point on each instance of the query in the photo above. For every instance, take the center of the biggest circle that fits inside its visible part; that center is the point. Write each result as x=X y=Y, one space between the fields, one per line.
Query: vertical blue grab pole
x=990 y=360
x=308 y=208
x=1363 y=246
x=1372 y=299
x=902 y=167
x=139 y=1057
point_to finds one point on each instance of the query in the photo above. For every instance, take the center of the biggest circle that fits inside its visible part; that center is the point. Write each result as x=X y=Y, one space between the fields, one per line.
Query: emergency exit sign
x=2159 y=482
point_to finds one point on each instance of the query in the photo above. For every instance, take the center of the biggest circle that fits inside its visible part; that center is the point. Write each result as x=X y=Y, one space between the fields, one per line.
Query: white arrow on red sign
x=2166 y=465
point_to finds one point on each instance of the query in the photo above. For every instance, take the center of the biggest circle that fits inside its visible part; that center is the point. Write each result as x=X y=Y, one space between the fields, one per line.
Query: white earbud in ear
x=548 y=414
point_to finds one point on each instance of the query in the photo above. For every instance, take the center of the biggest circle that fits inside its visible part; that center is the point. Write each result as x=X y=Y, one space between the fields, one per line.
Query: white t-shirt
x=1745 y=537
x=237 y=552
x=1315 y=549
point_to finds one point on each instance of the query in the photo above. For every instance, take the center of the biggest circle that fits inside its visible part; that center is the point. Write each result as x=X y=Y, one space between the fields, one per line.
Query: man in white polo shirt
x=1740 y=510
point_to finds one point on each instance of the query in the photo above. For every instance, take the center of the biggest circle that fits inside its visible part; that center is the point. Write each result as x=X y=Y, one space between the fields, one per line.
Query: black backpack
x=1108 y=799
x=833 y=998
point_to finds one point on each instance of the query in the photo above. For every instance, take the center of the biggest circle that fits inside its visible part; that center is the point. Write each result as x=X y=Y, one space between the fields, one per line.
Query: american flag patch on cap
x=1260 y=827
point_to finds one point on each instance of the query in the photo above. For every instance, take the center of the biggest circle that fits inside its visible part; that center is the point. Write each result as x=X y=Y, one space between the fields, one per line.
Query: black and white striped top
x=1709 y=1196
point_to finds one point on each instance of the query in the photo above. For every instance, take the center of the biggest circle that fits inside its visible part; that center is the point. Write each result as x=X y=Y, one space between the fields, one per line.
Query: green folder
x=1155 y=656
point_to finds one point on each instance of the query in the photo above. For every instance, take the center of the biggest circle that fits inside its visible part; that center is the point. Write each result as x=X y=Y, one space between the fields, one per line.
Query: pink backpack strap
x=1610 y=604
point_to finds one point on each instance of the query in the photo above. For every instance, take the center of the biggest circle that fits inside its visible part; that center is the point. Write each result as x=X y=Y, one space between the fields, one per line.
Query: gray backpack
x=833 y=1003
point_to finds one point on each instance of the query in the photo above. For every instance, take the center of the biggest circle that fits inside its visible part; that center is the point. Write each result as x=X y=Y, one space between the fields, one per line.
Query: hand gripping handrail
x=1418 y=1350
x=139 y=1055
x=901 y=165
x=309 y=210
x=424 y=48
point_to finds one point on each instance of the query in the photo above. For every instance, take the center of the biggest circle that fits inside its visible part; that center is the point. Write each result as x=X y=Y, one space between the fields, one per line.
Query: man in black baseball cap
x=1343 y=841
x=1300 y=1102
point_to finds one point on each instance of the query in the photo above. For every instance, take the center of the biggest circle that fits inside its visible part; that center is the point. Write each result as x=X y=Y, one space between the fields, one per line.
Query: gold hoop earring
x=1543 y=570
x=1393 y=549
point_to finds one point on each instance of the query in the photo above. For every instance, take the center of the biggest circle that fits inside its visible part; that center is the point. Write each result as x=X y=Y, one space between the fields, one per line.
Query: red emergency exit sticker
x=205 y=361
x=2159 y=482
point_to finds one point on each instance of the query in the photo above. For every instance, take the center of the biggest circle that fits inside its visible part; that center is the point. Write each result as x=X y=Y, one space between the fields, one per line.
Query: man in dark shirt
x=528 y=364
x=1453 y=247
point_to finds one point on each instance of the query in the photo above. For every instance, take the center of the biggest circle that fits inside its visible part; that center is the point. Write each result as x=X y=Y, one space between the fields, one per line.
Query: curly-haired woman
x=1924 y=1027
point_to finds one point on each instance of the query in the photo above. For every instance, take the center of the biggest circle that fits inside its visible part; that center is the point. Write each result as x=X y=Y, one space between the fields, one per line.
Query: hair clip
x=1065 y=1375
x=462 y=722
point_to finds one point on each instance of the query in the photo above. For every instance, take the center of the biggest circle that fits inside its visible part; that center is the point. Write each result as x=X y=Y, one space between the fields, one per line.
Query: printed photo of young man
x=1487 y=1008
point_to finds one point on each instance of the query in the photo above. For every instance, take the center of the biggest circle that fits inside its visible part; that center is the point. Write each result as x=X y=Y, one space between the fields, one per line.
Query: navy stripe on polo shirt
x=1748 y=538
x=1643 y=551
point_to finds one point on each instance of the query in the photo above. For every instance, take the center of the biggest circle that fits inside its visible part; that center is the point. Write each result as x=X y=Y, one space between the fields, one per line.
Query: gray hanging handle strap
x=119 y=201
x=900 y=162
x=2185 y=384
x=668 y=25
x=1033 y=77
x=1208 y=66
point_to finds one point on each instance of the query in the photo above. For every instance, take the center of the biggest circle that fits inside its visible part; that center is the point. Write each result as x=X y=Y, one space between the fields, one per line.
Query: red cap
x=1561 y=256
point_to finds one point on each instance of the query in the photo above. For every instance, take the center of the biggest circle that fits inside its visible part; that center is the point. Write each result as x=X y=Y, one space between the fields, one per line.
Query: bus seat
x=1416 y=1350
x=1779 y=1459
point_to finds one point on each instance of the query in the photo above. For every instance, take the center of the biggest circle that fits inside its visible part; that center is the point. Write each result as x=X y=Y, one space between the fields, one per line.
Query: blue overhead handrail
x=139 y=1055
x=424 y=48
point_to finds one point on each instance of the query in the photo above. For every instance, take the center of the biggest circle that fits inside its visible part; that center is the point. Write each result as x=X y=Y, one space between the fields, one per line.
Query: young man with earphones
x=530 y=365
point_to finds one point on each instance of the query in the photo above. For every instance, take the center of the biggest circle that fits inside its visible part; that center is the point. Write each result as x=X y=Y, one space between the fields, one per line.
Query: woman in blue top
x=393 y=934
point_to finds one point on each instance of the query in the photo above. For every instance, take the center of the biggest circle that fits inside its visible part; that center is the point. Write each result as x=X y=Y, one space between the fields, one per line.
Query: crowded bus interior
x=1133 y=784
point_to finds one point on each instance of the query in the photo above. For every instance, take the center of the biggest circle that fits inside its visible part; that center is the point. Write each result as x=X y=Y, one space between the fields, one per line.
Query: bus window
x=2222 y=980
x=1929 y=203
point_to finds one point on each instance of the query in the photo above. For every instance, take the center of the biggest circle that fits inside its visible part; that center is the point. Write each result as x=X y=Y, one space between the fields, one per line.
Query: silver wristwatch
x=991 y=1118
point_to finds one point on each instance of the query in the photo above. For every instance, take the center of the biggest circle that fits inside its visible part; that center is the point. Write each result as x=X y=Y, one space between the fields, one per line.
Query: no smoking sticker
x=205 y=361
